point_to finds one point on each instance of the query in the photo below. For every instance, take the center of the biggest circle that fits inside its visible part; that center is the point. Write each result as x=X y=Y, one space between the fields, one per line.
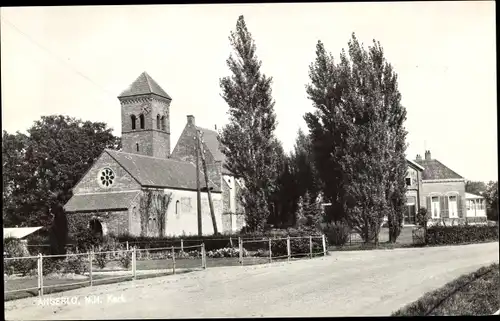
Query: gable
x=122 y=180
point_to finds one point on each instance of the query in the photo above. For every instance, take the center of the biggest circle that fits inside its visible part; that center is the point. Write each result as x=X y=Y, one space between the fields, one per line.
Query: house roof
x=159 y=172
x=144 y=85
x=415 y=164
x=434 y=169
x=100 y=201
x=19 y=232
x=472 y=196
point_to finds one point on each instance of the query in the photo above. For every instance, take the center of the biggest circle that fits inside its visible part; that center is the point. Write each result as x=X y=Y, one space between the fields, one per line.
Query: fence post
x=240 y=243
x=288 y=249
x=311 y=246
x=91 y=256
x=270 y=252
x=203 y=256
x=323 y=240
x=134 y=262
x=182 y=245
x=173 y=260
x=127 y=246
x=231 y=241
x=40 y=274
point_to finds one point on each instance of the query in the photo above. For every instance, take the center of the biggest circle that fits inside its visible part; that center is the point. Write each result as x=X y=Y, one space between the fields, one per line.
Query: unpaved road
x=361 y=283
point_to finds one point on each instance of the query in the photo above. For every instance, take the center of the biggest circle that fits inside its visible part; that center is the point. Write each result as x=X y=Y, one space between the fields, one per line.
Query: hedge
x=437 y=235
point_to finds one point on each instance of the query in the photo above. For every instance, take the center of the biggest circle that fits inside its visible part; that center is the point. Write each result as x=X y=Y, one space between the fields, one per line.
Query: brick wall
x=185 y=150
x=152 y=142
x=442 y=190
x=113 y=222
x=90 y=184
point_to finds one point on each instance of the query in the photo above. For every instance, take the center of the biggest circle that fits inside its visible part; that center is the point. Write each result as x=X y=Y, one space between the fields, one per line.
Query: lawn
x=477 y=293
x=145 y=269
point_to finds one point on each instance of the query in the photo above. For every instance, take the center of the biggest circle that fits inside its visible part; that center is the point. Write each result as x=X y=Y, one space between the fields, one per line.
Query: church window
x=163 y=123
x=106 y=177
x=137 y=146
x=177 y=207
x=141 y=119
x=157 y=121
x=132 y=119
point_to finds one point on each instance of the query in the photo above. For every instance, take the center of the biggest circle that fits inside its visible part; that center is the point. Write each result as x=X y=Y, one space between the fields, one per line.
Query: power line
x=56 y=56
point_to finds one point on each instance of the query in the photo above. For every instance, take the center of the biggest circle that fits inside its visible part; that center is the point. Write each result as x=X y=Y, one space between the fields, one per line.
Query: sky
x=76 y=61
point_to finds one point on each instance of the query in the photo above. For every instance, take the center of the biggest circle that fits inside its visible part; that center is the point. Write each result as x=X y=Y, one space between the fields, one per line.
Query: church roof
x=159 y=172
x=94 y=202
x=144 y=85
x=210 y=137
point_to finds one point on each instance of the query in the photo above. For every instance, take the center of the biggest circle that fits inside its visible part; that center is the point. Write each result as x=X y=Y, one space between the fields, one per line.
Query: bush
x=85 y=240
x=125 y=259
x=461 y=234
x=109 y=244
x=226 y=252
x=337 y=233
x=16 y=248
x=78 y=264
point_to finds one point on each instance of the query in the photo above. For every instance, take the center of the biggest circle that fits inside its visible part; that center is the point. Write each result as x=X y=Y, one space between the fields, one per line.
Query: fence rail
x=171 y=261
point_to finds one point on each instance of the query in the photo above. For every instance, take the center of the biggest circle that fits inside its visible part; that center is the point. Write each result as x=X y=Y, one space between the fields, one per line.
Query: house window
x=435 y=206
x=452 y=206
x=480 y=205
x=408 y=181
x=141 y=120
x=158 y=121
x=411 y=210
x=132 y=120
x=468 y=205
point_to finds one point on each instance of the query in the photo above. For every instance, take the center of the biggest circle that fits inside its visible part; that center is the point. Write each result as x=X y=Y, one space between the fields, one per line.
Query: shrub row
x=437 y=235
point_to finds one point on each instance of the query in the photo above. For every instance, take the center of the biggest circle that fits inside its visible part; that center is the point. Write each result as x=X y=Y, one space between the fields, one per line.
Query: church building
x=108 y=197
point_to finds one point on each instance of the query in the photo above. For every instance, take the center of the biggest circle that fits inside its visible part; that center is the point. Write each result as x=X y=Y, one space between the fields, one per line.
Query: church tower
x=145 y=118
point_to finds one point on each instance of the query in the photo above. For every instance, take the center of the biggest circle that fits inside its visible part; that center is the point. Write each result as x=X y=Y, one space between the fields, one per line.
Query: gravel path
x=360 y=283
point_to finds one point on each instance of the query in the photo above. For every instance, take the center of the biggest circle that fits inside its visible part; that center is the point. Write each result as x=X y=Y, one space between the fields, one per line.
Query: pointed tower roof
x=144 y=85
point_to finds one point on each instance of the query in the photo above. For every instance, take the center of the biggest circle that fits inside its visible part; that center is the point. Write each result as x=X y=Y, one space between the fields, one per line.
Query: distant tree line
x=40 y=168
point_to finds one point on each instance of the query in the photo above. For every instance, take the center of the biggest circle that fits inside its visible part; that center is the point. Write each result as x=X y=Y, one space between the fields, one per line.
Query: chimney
x=418 y=158
x=190 y=119
x=428 y=155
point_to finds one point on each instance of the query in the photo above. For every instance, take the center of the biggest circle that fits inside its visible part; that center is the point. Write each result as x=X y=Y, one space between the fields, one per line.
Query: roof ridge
x=146 y=75
x=147 y=156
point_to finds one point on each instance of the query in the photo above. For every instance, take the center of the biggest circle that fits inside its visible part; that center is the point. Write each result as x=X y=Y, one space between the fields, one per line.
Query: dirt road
x=361 y=283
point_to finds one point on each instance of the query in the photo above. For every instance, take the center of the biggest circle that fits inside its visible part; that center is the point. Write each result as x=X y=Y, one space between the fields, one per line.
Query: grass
x=160 y=267
x=476 y=293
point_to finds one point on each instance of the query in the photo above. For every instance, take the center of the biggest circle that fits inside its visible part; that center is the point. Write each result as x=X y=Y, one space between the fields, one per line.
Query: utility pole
x=204 y=164
x=198 y=190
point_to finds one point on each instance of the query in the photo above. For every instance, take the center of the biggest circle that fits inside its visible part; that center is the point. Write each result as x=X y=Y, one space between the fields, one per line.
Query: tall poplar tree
x=250 y=144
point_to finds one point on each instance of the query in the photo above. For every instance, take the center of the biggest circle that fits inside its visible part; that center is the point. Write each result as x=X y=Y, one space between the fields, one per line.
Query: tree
x=475 y=187
x=358 y=137
x=491 y=196
x=326 y=91
x=304 y=170
x=249 y=137
x=53 y=156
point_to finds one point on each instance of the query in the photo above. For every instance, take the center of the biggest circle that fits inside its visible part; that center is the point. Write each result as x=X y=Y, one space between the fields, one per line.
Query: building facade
x=108 y=197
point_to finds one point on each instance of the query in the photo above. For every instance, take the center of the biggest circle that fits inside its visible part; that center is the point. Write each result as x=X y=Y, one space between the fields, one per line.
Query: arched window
x=141 y=119
x=162 y=122
x=137 y=146
x=157 y=121
x=177 y=207
x=132 y=120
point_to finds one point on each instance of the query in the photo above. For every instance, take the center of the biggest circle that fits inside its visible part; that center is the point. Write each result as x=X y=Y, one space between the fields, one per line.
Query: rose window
x=106 y=177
